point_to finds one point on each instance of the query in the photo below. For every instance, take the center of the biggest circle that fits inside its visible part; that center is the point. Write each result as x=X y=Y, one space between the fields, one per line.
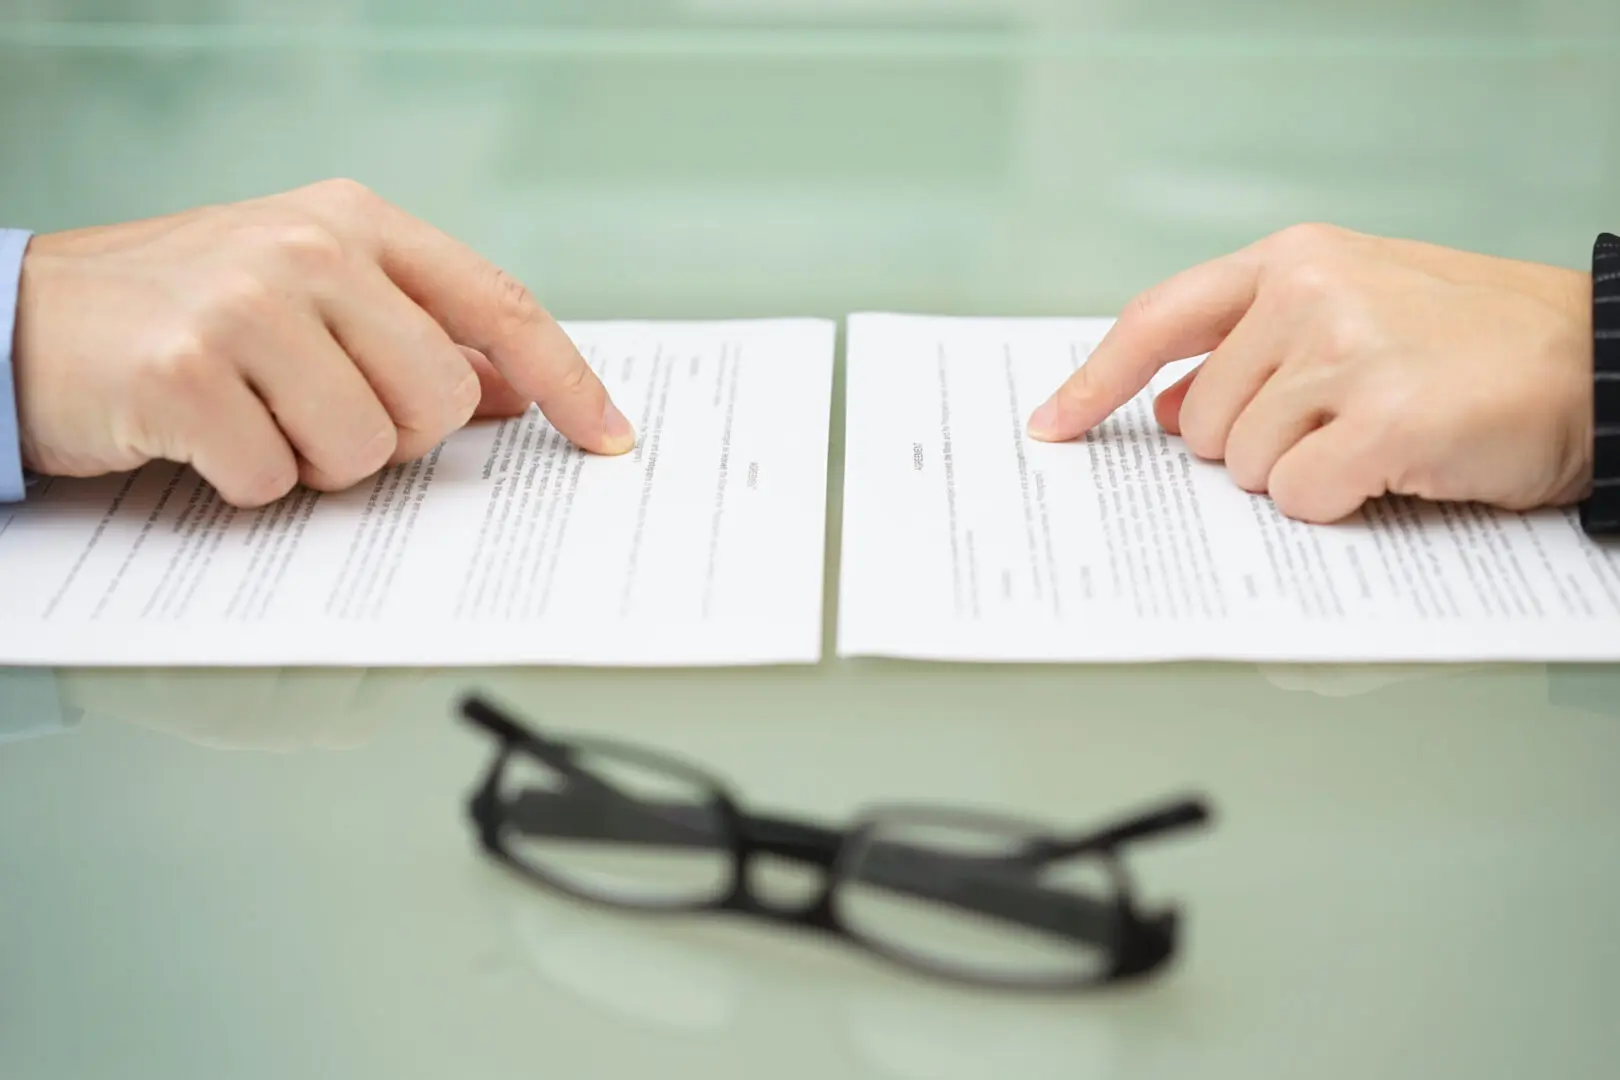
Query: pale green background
x=266 y=874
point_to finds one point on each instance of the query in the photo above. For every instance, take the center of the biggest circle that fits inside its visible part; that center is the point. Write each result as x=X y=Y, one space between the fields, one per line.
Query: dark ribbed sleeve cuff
x=1600 y=511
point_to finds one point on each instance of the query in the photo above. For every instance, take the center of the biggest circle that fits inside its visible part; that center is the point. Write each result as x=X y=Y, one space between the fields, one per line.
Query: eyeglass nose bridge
x=763 y=849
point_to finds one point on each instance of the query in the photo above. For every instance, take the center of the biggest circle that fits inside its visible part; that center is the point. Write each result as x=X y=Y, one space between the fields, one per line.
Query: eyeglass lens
x=615 y=828
x=958 y=897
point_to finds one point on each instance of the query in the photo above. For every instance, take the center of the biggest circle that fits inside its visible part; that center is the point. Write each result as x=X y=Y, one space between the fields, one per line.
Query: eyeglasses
x=968 y=896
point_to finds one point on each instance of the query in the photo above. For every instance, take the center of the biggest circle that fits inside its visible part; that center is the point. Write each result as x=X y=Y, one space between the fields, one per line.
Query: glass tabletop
x=1413 y=872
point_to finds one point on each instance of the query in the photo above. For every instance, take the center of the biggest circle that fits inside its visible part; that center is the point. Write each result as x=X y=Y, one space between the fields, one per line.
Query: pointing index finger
x=1184 y=316
x=486 y=309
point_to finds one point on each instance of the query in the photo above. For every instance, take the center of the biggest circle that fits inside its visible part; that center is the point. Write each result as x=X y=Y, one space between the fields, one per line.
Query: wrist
x=37 y=363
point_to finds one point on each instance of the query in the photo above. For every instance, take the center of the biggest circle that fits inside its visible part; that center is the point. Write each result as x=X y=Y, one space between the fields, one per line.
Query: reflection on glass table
x=732 y=1010
x=272 y=710
x=964 y=895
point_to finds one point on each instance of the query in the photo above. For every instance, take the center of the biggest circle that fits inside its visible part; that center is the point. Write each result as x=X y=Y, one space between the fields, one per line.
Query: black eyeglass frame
x=1143 y=942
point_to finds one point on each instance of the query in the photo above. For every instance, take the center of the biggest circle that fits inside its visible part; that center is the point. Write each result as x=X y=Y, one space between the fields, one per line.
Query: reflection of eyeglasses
x=968 y=896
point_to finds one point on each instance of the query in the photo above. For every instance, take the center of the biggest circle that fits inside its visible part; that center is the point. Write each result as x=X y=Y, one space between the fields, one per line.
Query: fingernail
x=1043 y=423
x=620 y=435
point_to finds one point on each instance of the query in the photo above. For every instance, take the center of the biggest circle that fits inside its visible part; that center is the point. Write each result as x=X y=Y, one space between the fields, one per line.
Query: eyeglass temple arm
x=999 y=886
x=512 y=733
x=482 y=714
x=1171 y=817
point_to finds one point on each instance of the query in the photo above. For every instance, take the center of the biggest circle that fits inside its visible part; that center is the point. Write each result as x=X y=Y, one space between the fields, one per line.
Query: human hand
x=316 y=336
x=1343 y=367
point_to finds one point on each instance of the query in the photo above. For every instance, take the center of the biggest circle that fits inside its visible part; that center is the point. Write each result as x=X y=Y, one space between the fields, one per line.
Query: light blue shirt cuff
x=13 y=242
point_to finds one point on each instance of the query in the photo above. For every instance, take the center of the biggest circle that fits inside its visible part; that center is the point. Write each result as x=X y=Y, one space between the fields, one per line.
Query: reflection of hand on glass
x=1342 y=681
x=1588 y=688
x=31 y=704
x=969 y=896
x=270 y=710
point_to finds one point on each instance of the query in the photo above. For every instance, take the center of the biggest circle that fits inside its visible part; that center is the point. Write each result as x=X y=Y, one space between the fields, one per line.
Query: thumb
x=1167 y=406
x=497 y=398
x=1182 y=317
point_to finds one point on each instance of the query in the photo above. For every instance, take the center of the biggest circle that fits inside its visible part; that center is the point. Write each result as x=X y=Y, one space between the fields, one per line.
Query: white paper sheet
x=966 y=540
x=506 y=545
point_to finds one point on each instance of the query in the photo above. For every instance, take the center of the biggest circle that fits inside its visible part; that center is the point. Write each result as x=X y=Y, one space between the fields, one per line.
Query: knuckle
x=366 y=455
x=1204 y=445
x=1283 y=489
x=184 y=368
x=344 y=196
x=1310 y=280
x=575 y=379
x=373 y=452
x=318 y=479
x=1304 y=240
x=1346 y=333
x=268 y=484
x=235 y=309
x=436 y=407
x=1144 y=305
x=1290 y=501
x=1202 y=434
x=309 y=247
x=1390 y=405
x=1247 y=469
x=1309 y=495
x=414 y=443
x=516 y=304
x=239 y=301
